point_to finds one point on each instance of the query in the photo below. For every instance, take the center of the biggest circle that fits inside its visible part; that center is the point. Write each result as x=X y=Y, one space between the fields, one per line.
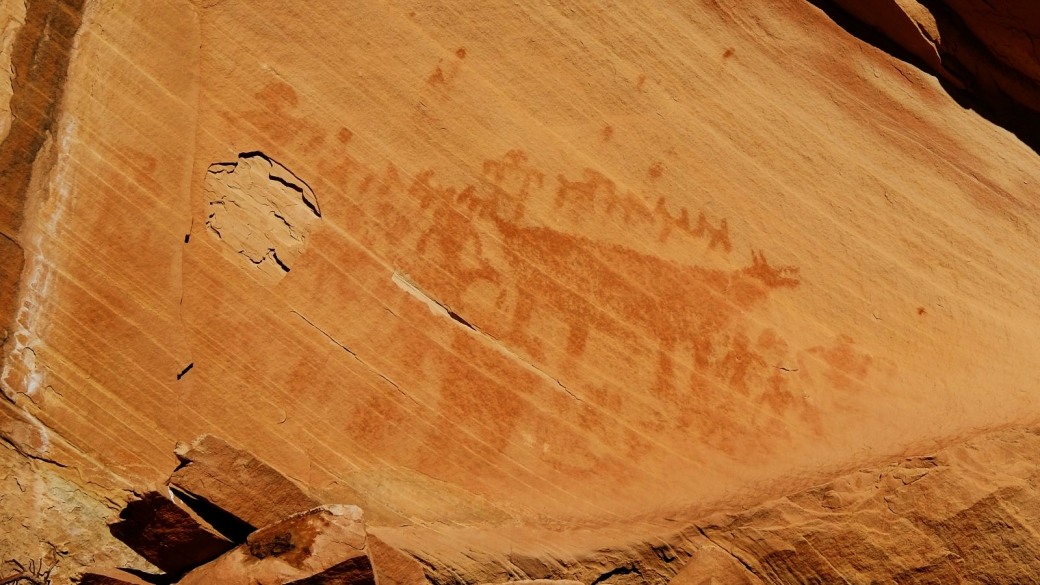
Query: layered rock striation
x=535 y=285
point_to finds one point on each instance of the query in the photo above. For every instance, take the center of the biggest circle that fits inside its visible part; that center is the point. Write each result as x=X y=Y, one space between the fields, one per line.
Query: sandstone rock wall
x=513 y=268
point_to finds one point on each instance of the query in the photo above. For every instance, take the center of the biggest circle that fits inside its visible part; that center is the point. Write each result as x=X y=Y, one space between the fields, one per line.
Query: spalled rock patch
x=261 y=211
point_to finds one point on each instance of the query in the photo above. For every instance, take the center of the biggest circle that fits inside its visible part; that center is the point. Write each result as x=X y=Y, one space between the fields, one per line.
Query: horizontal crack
x=29 y=455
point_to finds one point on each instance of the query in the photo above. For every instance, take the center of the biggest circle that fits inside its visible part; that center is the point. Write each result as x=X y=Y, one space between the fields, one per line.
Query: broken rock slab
x=167 y=534
x=393 y=567
x=118 y=577
x=539 y=582
x=236 y=482
x=323 y=546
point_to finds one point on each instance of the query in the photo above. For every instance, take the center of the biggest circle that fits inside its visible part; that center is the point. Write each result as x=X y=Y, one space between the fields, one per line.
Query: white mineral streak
x=12 y=16
x=23 y=372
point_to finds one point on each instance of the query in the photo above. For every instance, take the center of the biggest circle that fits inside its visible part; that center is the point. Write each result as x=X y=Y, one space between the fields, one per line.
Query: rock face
x=537 y=285
x=965 y=515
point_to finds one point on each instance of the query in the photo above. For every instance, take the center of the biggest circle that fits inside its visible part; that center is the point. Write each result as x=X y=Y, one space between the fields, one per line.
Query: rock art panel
x=502 y=272
x=262 y=212
x=679 y=289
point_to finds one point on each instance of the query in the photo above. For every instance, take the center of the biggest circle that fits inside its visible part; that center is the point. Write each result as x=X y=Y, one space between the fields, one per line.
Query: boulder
x=234 y=481
x=325 y=545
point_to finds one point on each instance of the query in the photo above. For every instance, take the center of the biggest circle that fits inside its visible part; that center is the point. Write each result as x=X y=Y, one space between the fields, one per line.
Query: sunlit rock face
x=540 y=280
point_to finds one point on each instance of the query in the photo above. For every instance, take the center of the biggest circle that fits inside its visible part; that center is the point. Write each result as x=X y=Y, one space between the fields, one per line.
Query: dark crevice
x=664 y=553
x=310 y=206
x=217 y=167
x=255 y=154
x=29 y=455
x=283 y=220
x=303 y=192
x=232 y=527
x=455 y=317
x=182 y=462
x=329 y=337
x=282 y=265
x=616 y=572
x=282 y=181
x=185 y=370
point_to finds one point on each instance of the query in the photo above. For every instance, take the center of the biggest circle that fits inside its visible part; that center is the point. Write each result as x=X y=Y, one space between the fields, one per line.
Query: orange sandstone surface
x=538 y=286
